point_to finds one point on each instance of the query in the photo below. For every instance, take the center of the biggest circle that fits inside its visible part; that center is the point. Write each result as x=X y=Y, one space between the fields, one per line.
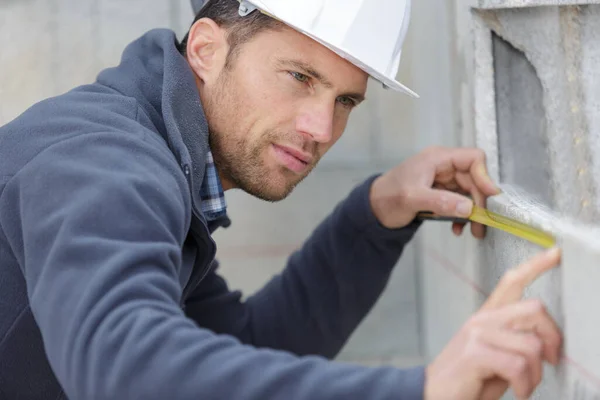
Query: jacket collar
x=154 y=72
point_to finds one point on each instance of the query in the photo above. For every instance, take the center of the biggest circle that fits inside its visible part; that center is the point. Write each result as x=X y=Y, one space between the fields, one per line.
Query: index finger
x=513 y=283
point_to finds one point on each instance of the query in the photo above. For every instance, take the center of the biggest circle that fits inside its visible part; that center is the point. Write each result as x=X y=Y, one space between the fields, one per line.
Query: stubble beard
x=241 y=161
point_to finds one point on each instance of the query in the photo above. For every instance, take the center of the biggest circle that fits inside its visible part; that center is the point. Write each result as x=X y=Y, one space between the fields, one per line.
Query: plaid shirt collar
x=211 y=193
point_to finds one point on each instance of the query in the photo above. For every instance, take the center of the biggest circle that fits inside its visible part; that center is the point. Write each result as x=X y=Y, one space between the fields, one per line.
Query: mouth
x=294 y=159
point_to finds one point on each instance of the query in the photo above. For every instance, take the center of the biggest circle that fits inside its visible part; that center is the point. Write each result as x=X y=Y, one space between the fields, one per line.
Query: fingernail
x=464 y=208
x=554 y=252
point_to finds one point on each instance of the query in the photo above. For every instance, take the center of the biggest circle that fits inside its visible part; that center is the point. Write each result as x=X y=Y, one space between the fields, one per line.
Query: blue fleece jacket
x=108 y=284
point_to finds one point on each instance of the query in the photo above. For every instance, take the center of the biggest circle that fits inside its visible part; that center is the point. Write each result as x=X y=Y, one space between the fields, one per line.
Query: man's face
x=277 y=109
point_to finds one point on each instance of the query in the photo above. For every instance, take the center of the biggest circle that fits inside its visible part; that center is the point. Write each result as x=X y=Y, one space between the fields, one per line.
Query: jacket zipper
x=198 y=274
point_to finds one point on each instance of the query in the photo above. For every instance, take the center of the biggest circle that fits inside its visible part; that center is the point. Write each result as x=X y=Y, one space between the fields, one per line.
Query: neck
x=225 y=183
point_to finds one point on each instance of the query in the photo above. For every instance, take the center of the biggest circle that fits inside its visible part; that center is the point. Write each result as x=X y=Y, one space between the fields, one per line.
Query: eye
x=299 y=77
x=346 y=101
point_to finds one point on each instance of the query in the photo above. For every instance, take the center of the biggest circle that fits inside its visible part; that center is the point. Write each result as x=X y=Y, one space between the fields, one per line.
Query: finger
x=441 y=202
x=474 y=161
x=466 y=183
x=478 y=230
x=545 y=328
x=454 y=186
x=493 y=389
x=529 y=316
x=450 y=184
x=514 y=281
x=511 y=367
x=444 y=168
x=457 y=228
x=465 y=180
x=527 y=345
x=469 y=160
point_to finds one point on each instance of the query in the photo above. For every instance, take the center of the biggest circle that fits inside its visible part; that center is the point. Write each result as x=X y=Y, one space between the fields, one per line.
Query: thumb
x=443 y=203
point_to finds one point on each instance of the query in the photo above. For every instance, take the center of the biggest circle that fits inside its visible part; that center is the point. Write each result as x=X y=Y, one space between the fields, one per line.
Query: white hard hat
x=197 y=5
x=368 y=33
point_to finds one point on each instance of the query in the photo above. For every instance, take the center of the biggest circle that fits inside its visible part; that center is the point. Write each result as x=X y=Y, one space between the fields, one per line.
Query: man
x=109 y=195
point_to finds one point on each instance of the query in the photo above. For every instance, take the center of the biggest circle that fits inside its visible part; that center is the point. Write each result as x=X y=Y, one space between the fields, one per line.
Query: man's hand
x=434 y=180
x=502 y=345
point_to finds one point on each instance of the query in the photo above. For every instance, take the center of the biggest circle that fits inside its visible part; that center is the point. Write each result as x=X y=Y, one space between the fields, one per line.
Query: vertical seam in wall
x=95 y=36
x=572 y=47
x=485 y=95
x=454 y=56
x=174 y=12
x=52 y=26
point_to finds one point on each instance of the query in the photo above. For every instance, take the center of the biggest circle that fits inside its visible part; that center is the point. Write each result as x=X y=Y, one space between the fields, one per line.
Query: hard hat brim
x=386 y=81
x=378 y=76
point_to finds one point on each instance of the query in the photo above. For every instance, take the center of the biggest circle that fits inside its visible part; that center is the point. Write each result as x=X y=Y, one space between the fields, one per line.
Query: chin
x=272 y=190
x=270 y=197
x=270 y=193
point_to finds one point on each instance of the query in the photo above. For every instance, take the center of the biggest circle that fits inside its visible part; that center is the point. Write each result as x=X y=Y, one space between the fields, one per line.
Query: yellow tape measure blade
x=514 y=227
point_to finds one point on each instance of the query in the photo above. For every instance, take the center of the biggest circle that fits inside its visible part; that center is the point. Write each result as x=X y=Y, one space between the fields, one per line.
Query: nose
x=316 y=121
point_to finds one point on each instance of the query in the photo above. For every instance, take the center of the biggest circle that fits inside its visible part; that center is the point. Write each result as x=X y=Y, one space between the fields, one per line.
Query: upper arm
x=98 y=222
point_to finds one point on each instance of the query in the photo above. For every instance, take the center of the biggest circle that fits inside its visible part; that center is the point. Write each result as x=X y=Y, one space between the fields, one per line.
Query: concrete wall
x=555 y=125
x=533 y=93
x=49 y=46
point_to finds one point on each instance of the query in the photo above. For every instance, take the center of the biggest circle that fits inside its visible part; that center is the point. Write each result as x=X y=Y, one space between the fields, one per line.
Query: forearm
x=331 y=284
x=151 y=353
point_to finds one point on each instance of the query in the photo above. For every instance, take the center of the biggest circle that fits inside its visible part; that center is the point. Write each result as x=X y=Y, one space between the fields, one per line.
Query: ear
x=207 y=49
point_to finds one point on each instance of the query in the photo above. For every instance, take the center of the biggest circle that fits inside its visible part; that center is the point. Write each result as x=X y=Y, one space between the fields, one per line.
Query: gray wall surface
x=533 y=94
x=522 y=141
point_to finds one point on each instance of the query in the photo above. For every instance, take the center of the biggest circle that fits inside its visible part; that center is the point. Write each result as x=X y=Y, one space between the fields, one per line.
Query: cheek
x=265 y=100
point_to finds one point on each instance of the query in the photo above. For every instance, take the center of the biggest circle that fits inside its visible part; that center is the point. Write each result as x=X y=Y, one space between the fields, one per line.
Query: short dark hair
x=239 y=29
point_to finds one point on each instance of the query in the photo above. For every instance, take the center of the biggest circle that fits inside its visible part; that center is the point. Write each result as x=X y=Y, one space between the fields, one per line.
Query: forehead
x=287 y=43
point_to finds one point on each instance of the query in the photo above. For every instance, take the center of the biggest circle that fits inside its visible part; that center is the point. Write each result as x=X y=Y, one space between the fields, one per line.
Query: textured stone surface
x=580 y=277
x=542 y=127
x=551 y=39
x=522 y=142
x=530 y=3
x=503 y=251
x=590 y=33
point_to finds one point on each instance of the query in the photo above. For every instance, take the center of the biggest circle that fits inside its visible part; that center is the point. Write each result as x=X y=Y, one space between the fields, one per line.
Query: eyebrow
x=309 y=70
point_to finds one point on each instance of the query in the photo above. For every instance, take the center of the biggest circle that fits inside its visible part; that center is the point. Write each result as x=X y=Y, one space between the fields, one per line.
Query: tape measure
x=495 y=220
